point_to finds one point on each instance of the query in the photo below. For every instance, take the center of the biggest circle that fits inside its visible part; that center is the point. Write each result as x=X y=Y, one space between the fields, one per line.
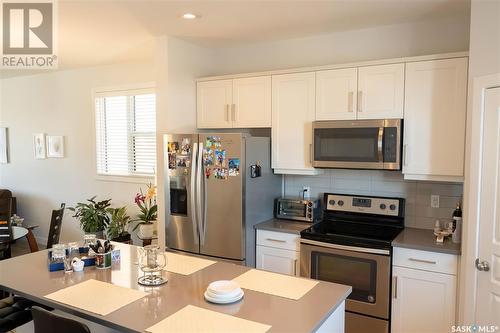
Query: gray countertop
x=288 y=226
x=424 y=239
x=28 y=276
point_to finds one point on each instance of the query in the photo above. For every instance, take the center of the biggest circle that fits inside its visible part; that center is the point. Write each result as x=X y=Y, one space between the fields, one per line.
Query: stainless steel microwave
x=358 y=144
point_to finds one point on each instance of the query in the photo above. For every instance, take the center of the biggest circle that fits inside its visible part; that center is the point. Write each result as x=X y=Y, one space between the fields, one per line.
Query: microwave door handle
x=380 y=144
x=192 y=192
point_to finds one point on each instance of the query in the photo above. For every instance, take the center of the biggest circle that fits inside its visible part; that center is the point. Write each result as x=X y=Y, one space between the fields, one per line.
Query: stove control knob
x=392 y=207
x=309 y=204
x=341 y=203
x=309 y=216
x=383 y=206
x=332 y=202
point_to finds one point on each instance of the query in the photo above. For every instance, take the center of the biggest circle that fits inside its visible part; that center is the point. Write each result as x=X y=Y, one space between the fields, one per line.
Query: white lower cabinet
x=278 y=252
x=277 y=260
x=422 y=300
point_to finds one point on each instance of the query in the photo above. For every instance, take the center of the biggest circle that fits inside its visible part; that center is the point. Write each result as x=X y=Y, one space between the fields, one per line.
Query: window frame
x=129 y=91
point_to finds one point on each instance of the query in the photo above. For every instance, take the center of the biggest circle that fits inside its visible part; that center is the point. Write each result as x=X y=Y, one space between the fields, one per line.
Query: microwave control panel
x=362 y=204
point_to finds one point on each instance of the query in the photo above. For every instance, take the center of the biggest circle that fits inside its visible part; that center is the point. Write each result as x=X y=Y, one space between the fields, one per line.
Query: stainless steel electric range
x=352 y=246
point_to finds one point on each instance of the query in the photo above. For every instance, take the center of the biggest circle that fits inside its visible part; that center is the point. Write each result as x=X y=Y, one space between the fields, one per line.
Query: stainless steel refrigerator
x=218 y=186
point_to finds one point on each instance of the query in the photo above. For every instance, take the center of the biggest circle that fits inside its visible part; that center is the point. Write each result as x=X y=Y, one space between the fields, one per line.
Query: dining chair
x=46 y=321
x=5 y=228
x=55 y=226
x=14 y=312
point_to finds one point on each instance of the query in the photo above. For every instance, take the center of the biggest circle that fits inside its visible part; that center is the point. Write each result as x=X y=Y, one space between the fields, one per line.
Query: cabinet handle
x=276 y=240
x=423 y=261
x=360 y=101
x=233 y=111
x=295 y=267
x=310 y=153
x=227 y=113
x=351 y=102
x=395 y=287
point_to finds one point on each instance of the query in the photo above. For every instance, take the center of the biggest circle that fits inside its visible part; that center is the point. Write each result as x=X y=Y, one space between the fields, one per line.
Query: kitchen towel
x=275 y=284
x=96 y=296
x=194 y=319
x=185 y=265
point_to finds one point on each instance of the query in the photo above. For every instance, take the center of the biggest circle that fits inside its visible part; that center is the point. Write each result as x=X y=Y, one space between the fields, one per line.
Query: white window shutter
x=126 y=133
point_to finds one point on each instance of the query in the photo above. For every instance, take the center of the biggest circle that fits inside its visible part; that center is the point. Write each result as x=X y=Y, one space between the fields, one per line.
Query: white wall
x=178 y=64
x=484 y=38
x=60 y=103
x=390 y=41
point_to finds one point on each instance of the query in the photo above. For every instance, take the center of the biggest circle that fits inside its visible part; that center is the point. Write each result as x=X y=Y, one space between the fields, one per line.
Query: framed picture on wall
x=4 y=145
x=55 y=146
x=39 y=146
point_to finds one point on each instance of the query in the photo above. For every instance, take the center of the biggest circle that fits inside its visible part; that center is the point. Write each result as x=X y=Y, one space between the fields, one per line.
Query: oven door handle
x=344 y=247
x=380 y=144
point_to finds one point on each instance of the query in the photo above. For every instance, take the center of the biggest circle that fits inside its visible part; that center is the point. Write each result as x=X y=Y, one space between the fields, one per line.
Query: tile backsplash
x=418 y=212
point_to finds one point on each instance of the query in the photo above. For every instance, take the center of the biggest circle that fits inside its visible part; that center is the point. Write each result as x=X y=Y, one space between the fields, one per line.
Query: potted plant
x=92 y=216
x=118 y=226
x=148 y=211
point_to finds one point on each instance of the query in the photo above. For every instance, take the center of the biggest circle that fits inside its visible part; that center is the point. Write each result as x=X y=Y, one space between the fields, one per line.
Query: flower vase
x=146 y=230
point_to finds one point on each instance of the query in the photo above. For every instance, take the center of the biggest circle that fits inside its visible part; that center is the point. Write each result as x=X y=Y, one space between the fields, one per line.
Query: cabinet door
x=293 y=106
x=251 y=102
x=213 y=103
x=381 y=92
x=435 y=115
x=422 y=301
x=336 y=94
x=277 y=260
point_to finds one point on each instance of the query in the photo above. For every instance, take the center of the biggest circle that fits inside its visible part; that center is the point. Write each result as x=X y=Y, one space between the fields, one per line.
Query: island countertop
x=28 y=276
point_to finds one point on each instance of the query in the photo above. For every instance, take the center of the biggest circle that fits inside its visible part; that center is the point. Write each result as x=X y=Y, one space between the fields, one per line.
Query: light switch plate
x=434 y=201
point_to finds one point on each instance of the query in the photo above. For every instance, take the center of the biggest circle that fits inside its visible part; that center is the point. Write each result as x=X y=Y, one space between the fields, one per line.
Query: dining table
x=320 y=309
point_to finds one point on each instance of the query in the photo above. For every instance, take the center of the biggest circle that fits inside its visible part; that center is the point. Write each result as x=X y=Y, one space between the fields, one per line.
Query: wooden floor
x=21 y=247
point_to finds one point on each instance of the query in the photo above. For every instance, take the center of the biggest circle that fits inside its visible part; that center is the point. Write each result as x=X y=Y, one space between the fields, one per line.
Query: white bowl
x=224 y=300
x=223 y=287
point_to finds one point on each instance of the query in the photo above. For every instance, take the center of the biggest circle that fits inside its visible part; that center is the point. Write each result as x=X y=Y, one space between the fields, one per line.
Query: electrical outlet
x=434 y=201
x=307 y=192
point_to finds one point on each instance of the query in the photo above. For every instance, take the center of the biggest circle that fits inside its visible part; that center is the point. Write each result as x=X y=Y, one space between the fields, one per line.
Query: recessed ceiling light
x=189 y=16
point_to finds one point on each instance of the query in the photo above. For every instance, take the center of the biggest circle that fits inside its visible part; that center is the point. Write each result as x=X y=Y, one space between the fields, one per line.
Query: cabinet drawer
x=425 y=260
x=280 y=240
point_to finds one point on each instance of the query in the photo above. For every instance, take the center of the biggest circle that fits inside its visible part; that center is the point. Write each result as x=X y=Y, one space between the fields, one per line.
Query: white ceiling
x=99 y=32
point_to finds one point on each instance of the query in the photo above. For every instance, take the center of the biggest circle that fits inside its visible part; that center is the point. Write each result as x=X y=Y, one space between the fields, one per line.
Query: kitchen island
x=321 y=309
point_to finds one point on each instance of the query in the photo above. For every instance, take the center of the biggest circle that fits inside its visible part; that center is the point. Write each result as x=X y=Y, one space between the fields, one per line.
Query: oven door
x=367 y=273
x=360 y=144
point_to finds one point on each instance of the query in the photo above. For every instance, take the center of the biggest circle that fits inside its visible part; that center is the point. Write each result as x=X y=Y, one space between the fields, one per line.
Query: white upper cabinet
x=293 y=107
x=381 y=92
x=435 y=116
x=238 y=103
x=336 y=94
x=252 y=102
x=213 y=103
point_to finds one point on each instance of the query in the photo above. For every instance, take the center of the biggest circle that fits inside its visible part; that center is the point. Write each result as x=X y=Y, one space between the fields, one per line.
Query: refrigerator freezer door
x=221 y=210
x=180 y=178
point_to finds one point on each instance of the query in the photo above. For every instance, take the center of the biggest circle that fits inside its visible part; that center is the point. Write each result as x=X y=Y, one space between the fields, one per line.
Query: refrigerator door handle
x=199 y=198
x=192 y=190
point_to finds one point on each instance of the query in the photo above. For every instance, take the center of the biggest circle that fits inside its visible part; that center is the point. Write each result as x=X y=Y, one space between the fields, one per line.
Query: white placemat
x=97 y=297
x=275 y=284
x=194 y=319
x=185 y=265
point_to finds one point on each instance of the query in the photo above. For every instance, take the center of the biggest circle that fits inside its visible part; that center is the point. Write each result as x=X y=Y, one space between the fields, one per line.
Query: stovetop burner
x=373 y=224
